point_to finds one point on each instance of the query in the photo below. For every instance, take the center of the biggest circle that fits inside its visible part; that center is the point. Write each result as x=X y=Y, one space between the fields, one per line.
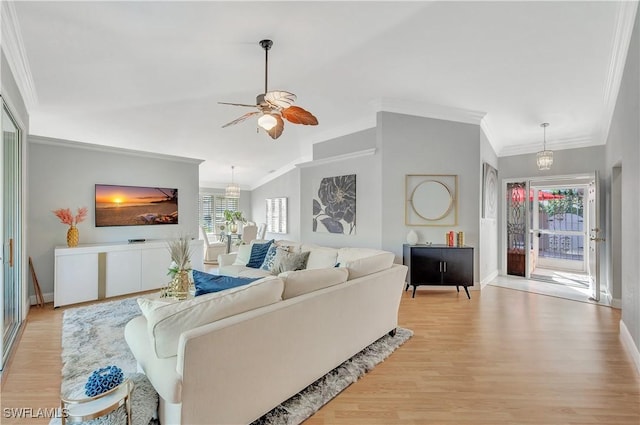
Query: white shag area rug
x=93 y=337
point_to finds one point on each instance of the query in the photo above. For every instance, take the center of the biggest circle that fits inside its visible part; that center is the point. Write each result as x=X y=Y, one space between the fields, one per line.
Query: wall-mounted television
x=135 y=205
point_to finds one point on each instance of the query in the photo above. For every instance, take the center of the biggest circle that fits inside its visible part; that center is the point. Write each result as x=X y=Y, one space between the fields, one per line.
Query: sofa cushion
x=258 y=252
x=286 y=261
x=320 y=257
x=364 y=261
x=244 y=253
x=303 y=281
x=253 y=273
x=167 y=320
x=207 y=283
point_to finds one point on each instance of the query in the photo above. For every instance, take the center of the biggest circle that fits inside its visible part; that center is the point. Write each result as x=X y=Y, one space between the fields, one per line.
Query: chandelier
x=544 y=158
x=233 y=190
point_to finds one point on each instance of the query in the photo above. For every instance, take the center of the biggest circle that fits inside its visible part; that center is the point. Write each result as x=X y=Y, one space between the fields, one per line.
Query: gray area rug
x=93 y=337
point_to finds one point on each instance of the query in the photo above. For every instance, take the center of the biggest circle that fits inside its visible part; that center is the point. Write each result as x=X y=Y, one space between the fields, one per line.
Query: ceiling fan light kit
x=544 y=158
x=273 y=106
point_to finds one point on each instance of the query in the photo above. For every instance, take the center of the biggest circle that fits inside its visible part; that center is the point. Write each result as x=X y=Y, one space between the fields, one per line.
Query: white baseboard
x=48 y=298
x=629 y=345
x=484 y=282
x=616 y=303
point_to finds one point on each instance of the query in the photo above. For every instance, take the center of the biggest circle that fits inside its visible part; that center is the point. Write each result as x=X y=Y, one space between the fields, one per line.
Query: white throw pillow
x=243 y=255
x=166 y=322
x=304 y=281
x=321 y=257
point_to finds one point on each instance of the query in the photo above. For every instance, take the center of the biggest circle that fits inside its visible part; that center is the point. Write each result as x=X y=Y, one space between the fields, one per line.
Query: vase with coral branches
x=66 y=217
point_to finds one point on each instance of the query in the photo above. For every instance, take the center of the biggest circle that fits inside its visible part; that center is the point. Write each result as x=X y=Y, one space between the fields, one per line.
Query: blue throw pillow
x=206 y=283
x=258 y=252
x=269 y=259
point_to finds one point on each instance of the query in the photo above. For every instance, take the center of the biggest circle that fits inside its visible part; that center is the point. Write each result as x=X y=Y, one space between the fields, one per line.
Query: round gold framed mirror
x=431 y=200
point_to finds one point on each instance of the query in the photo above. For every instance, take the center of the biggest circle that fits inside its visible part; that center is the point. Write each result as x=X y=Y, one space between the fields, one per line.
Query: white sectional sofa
x=231 y=356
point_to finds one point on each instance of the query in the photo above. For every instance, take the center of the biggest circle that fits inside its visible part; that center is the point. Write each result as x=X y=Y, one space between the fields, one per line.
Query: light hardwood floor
x=503 y=357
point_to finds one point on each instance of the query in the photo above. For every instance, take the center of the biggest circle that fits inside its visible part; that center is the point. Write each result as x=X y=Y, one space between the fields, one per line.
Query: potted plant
x=232 y=218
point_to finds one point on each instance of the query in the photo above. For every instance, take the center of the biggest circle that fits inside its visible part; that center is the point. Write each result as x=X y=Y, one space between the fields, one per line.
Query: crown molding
x=428 y=110
x=277 y=173
x=41 y=140
x=556 y=145
x=623 y=30
x=13 y=48
x=350 y=155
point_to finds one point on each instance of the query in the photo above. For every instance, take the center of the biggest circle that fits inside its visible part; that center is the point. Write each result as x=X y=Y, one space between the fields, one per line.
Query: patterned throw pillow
x=286 y=261
x=269 y=259
x=258 y=252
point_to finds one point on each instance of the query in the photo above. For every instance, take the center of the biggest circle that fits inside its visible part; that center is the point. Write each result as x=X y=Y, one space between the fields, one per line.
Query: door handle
x=597 y=239
x=445 y=266
x=440 y=266
x=10 y=252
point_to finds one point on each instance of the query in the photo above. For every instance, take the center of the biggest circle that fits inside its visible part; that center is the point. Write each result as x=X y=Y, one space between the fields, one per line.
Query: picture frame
x=431 y=199
x=489 y=191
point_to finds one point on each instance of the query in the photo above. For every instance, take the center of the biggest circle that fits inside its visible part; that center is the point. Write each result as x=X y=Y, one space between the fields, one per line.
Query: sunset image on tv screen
x=135 y=205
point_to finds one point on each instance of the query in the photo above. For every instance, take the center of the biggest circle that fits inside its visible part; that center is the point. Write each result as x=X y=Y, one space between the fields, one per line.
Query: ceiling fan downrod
x=266 y=45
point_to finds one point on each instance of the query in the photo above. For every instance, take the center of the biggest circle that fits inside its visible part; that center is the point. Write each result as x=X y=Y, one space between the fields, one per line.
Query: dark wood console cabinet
x=438 y=265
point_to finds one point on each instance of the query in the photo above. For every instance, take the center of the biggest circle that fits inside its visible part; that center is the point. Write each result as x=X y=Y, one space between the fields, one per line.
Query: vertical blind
x=211 y=210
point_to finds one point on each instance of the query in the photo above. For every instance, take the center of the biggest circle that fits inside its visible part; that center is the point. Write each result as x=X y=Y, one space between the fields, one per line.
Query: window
x=211 y=210
x=277 y=215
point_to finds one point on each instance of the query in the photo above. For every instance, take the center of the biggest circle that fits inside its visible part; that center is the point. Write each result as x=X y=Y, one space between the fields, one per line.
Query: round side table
x=90 y=408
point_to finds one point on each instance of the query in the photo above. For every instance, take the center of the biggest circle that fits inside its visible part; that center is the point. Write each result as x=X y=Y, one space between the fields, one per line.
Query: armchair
x=212 y=248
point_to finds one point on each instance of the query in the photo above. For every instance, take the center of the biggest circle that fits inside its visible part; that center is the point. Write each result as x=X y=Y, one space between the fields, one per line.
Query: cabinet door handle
x=445 y=266
x=440 y=266
x=10 y=252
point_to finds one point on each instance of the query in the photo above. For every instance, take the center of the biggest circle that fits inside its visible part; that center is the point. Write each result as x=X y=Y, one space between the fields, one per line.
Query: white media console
x=95 y=271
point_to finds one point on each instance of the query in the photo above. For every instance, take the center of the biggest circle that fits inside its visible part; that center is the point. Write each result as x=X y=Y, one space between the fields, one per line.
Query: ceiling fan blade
x=277 y=130
x=280 y=99
x=242 y=118
x=237 y=104
x=297 y=115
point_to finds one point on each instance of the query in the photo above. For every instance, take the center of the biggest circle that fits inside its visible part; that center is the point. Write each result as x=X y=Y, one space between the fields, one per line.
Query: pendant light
x=233 y=190
x=544 y=158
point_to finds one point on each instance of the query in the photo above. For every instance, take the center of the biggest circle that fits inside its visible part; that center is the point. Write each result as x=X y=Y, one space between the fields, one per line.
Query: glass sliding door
x=10 y=219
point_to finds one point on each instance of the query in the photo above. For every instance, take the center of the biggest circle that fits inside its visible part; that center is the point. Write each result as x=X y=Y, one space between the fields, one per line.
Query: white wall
x=63 y=174
x=488 y=254
x=623 y=150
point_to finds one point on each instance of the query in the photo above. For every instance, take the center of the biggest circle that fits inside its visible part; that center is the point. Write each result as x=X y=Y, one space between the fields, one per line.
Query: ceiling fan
x=273 y=106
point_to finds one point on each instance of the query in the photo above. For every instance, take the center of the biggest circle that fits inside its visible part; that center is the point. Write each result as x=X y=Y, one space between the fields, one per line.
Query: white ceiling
x=147 y=75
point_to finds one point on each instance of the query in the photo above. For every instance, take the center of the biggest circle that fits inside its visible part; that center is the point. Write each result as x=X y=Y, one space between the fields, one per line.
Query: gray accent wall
x=369 y=225
x=403 y=145
x=63 y=174
x=418 y=145
x=288 y=186
x=623 y=162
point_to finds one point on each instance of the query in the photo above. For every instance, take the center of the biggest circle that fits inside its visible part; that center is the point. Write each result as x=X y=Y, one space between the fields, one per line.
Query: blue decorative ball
x=102 y=380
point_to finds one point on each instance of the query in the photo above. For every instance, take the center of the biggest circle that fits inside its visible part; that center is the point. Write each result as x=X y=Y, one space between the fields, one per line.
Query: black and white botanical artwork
x=334 y=205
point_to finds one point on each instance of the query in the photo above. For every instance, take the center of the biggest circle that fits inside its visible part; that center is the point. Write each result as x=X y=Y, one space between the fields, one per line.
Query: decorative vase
x=233 y=228
x=412 y=237
x=73 y=236
x=179 y=288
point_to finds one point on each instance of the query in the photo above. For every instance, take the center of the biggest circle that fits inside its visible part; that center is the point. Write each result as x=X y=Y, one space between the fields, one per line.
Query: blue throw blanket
x=206 y=283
